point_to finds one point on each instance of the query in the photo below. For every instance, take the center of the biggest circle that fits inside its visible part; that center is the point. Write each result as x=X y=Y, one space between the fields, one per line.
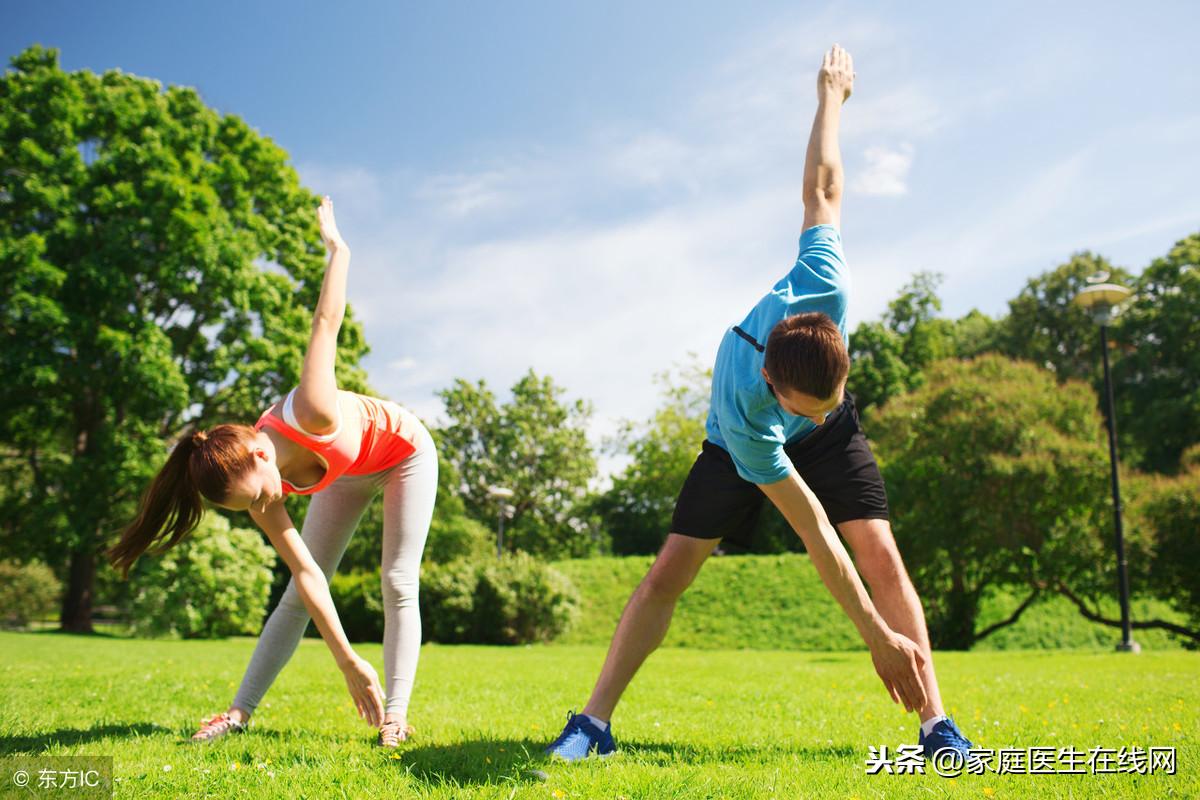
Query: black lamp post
x=1102 y=299
x=501 y=494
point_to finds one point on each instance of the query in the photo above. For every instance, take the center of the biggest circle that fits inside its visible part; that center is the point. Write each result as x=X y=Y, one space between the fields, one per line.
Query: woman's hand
x=365 y=689
x=329 y=231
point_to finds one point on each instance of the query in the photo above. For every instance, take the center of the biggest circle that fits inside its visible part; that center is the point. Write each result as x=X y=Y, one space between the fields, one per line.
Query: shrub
x=358 y=598
x=511 y=600
x=458 y=536
x=214 y=584
x=27 y=592
x=1170 y=511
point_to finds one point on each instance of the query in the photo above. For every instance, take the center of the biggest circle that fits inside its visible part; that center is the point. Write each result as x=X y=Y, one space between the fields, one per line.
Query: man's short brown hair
x=806 y=353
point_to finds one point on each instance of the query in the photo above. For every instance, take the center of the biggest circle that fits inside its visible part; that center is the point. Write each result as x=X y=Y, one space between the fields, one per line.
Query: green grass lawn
x=695 y=723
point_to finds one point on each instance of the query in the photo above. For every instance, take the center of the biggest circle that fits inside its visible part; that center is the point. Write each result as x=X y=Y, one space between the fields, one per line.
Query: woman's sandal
x=217 y=726
x=391 y=734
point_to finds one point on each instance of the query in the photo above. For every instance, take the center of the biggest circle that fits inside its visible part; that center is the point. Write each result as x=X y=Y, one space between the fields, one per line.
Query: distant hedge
x=778 y=602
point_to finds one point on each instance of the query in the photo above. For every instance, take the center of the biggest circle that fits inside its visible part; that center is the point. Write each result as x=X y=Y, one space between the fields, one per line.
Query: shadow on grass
x=38 y=742
x=659 y=753
x=474 y=761
x=493 y=761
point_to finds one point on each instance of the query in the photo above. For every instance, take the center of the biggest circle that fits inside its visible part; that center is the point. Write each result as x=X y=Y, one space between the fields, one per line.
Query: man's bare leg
x=892 y=591
x=646 y=617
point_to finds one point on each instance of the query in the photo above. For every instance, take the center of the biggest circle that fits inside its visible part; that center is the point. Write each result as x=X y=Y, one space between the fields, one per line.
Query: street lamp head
x=1101 y=298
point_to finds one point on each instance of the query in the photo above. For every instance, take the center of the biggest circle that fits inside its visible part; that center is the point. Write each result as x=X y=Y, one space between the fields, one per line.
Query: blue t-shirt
x=744 y=416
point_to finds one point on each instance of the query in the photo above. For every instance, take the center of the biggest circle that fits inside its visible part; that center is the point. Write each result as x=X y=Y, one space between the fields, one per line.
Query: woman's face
x=259 y=487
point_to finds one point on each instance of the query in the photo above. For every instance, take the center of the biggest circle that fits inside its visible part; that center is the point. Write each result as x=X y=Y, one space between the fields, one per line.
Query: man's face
x=799 y=404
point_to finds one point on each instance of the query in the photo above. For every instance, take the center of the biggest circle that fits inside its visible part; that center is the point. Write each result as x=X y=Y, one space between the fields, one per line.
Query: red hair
x=202 y=465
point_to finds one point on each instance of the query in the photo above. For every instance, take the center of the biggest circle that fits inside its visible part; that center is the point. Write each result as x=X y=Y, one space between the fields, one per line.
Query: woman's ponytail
x=172 y=506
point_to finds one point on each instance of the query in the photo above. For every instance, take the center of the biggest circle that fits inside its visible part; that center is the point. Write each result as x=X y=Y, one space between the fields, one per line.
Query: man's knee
x=674 y=569
x=880 y=562
x=663 y=584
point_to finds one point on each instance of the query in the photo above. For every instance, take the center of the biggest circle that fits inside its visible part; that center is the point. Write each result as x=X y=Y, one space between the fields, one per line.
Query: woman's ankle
x=238 y=715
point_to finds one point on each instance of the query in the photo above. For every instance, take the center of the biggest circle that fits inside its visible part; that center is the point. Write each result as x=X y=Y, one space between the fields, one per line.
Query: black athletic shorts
x=834 y=460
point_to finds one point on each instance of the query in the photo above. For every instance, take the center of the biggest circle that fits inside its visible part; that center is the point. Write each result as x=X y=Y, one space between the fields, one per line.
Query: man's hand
x=898 y=662
x=836 y=78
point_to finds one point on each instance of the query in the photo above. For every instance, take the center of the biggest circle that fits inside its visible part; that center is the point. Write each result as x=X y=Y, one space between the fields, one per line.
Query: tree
x=537 y=446
x=997 y=478
x=636 y=510
x=1158 y=377
x=160 y=261
x=1171 y=511
x=1045 y=326
x=1161 y=545
x=889 y=357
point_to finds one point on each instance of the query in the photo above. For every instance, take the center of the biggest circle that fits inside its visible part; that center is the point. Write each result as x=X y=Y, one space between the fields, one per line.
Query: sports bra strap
x=289 y=416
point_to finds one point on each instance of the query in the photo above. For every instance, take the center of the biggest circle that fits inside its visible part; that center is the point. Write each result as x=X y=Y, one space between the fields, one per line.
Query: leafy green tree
x=537 y=446
x=878 y=371
x=636 y=510
x=1045 y=326
x=889 y=356
x=997 y=478
x=1157 y=380
x=1162 y=546
x=160 y=261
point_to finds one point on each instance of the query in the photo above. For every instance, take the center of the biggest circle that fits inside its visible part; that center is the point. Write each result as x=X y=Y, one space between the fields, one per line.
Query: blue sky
x=598 y=190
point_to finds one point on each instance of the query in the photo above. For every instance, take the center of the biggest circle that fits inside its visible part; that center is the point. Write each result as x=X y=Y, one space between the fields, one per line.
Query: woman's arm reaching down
x=313 y=588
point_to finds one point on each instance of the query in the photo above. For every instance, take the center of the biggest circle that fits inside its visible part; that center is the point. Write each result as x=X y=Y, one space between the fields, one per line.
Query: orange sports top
x=371 y=435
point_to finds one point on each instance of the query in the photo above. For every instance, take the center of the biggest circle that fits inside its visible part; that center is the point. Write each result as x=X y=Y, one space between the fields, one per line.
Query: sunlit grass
x=734 y=724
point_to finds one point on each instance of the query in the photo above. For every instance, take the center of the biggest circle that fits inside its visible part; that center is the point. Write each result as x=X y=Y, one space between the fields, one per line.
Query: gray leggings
x=409 y=489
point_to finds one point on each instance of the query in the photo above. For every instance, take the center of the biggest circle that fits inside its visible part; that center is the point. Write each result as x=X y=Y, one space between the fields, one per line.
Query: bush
x=511 y=600
x=214 y=584
x=1170 y=511
x=358 y=598
x=28 y=592
x=458 y=536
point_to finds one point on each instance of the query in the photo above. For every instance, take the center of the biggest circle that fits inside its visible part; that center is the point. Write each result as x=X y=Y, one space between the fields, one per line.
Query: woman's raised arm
x=316 y=401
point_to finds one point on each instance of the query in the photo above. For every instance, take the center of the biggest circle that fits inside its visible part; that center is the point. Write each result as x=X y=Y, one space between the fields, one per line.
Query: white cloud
x=603 y=260
x=886 y=171
x=407 y=362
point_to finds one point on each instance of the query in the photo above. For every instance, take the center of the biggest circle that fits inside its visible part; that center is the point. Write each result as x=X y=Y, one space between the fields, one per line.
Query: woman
x=342 y=448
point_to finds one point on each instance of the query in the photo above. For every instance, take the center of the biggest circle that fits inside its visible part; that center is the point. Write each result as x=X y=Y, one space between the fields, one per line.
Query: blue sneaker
x=581 y=738
x=945 y=735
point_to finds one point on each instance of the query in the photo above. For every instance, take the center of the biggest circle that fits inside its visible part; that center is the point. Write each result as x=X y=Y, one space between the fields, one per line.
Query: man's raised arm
x=823 y=177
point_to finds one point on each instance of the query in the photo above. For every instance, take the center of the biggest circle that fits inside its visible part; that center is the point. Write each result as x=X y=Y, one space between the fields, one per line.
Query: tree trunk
x=956 y=630
x=77 y=601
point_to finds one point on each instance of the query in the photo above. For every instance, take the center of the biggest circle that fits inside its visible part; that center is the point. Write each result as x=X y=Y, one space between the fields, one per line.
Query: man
x=781 y=425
